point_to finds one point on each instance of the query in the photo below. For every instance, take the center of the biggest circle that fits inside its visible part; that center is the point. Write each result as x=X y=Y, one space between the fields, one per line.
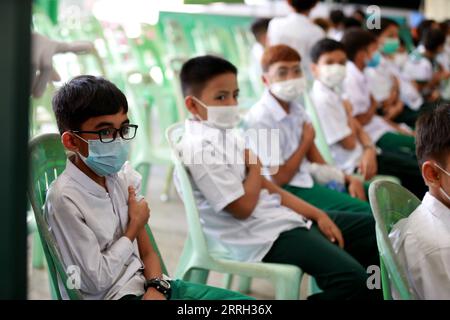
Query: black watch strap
x=160 y=285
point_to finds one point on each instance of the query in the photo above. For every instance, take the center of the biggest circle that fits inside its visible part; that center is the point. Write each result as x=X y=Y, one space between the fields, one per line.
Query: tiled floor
x=169 y=226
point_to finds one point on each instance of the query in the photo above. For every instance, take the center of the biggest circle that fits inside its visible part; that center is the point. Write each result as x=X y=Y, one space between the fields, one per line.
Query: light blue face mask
x=106 y=158
x=374 y=61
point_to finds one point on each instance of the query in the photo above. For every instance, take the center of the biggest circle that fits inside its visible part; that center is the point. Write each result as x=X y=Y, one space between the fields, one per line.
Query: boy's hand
x=138 y=213
x=308 y=134
x=368 y=164
x=356 y=188
x=330 y=230
x=153 y=294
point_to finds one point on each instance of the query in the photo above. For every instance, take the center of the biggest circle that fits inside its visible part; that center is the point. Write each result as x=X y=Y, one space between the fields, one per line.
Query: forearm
x=293 y=202
x=152 y=266
x=315 y=156
x=287 y=171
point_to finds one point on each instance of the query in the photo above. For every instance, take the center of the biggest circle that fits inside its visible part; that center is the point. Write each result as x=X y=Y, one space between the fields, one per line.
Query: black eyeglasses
x=107 y=135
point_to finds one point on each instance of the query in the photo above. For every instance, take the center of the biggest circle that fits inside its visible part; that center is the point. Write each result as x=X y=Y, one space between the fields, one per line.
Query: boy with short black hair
x=361 y=49
x=252 y=218
x=94 y=209
x=422 y=241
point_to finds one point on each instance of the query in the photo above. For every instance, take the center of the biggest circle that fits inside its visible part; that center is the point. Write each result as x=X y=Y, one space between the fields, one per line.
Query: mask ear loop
x=445 y=194
x=196 y=116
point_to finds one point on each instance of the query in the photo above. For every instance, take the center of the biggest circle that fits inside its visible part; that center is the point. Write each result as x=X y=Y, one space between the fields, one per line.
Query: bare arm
x=326 y=225
x=243 y=207
x=287 y=171
x=365 y=118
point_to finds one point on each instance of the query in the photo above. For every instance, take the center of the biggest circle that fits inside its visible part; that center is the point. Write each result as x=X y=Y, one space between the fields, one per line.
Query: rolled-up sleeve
x=216 y=181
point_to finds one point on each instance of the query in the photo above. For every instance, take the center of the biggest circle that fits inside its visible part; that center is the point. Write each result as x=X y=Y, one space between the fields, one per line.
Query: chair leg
x=313 y=288
x=244 y=284
x=287 y=288
x=165 y=194
x=38 y=252
x=227 y=280
x=198 y=275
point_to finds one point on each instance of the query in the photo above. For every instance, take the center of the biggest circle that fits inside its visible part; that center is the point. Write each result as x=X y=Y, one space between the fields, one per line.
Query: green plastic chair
x=322 y=144
x=48 y=160
x=200 y=256
x=391 y=202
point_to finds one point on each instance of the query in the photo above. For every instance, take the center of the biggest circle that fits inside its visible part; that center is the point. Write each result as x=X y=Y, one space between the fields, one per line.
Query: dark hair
x=433 y=39
x=324 y=46
x=323 y=23
x=302 y=5
x=355 y=40
x=85 y=97
x=350 y=22
x=433 y=134
x=384 y=24
x=196 y=72
x=423 y=26
x=259 y=26
x=337 y=16
x=359 y=12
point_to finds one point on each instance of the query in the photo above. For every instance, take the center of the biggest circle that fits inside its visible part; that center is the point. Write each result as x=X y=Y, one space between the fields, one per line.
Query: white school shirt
x=88 y=224
x=418 y=67
x=215 y=162
x=267 y=114
x=356 y=89
x=297 y=31
x=381 y=81
x=334 y=123
x=422 y=244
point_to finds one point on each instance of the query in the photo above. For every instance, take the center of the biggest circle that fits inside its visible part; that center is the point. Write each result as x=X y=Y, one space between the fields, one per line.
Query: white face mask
x=221 y=117
x=288 y=90
x=445 y=194
x=332 y=75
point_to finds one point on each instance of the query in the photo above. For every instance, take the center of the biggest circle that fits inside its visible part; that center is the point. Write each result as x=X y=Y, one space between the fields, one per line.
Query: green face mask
x=390 y=45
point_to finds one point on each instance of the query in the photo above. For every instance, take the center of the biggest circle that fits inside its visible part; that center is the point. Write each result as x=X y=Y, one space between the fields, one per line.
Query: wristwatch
x=160 y=285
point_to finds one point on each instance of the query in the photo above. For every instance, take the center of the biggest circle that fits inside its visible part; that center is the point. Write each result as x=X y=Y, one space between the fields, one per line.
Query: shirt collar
x=437 y=208
x=87 y=183
x=353 y=69
x=274 y=108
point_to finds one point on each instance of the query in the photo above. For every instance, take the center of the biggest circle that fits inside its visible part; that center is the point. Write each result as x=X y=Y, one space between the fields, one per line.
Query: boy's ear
x=70 y=142
x=430 y=174
x=315 y=69
x=265 y=80
x=191 y=105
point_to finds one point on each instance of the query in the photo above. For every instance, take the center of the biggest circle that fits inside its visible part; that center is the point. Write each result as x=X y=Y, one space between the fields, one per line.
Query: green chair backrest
x=391 y=202
x=203 y=247
x=48 y=160
x=320 y=140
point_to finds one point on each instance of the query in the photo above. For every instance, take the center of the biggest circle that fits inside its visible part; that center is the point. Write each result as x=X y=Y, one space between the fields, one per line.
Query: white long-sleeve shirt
x=88 y=224
x=422 y=243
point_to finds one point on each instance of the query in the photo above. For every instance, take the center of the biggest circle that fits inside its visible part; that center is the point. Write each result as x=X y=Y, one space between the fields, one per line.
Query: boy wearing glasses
x=94 y=209
x=422 y=241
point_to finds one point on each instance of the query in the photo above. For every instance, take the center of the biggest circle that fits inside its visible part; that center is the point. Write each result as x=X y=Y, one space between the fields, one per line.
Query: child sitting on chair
x=422 y=241
x=94 y=209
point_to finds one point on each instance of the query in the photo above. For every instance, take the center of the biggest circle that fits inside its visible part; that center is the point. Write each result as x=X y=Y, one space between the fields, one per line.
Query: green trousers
x=340 y=273
x=398 y=158
x=410 y=116
x=182 y=290
x=330 y=200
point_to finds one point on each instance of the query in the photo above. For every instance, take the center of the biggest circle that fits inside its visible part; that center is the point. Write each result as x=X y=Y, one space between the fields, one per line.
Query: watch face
x=165 y=284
